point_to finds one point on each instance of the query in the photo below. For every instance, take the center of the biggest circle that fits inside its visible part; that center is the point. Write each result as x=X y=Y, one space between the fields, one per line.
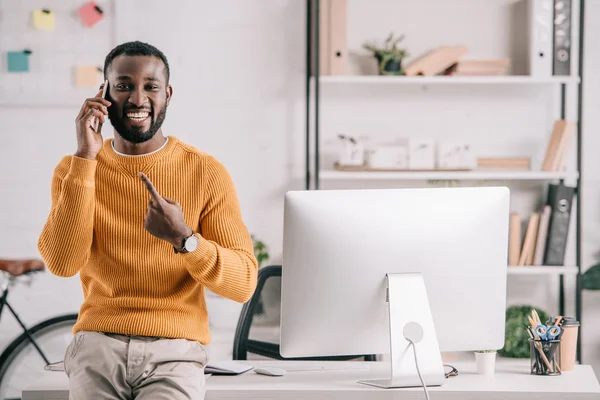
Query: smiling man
x=149 y=223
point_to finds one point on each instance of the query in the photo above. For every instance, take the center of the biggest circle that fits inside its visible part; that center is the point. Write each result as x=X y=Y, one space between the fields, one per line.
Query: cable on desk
x=418 y=371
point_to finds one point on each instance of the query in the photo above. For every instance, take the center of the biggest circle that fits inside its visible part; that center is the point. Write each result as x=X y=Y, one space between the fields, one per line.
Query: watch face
x=191 y=243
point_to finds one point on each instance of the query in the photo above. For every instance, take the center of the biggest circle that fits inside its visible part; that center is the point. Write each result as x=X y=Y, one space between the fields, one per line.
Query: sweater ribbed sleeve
x=66 y=238
x=224 y=261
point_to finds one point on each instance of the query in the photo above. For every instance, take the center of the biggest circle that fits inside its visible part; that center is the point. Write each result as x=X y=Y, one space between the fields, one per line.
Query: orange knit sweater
x=134 y=283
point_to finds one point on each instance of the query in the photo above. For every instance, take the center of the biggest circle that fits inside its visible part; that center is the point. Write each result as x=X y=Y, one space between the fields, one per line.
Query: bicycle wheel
x=21 y=363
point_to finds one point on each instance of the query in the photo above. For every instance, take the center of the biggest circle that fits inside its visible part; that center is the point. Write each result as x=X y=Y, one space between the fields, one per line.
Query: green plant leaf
x=260 y=251
x=516 y=339
x=590 y=280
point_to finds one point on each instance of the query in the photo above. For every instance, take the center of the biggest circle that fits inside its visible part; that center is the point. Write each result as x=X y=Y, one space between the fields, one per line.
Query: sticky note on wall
x=43 y=19
x=90 y=14
x=87 y=76
x=18 y=61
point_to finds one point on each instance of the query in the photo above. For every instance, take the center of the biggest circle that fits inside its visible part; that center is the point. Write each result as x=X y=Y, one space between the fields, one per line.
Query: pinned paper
x=90 y=14
x=87 y=76
x=43 y=19
x=18 y=61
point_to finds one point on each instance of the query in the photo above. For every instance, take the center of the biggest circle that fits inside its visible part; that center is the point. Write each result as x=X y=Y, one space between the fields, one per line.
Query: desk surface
x=511 y=381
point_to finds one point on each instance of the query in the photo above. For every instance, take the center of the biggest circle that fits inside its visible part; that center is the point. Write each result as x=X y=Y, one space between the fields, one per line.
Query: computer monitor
x=340 y=245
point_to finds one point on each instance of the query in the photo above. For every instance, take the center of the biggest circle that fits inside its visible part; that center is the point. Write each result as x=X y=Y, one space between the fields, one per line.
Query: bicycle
x=25 y=357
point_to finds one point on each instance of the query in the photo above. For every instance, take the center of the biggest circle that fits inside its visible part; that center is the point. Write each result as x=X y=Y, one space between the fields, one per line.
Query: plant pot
x=389 y=66
x=486 y=363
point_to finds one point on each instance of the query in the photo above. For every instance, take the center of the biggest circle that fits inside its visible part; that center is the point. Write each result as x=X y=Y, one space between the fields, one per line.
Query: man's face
x=139 y=95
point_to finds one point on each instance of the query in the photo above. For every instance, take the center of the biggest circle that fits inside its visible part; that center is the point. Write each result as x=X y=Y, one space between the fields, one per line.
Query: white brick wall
x=239 y=94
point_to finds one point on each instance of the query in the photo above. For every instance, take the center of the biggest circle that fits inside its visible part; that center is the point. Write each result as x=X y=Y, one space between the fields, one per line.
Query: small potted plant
x=486 y=361
x=260 y=251
x=389 y=56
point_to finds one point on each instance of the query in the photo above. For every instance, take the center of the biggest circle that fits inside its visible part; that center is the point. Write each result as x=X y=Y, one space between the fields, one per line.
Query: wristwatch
x=190 y=244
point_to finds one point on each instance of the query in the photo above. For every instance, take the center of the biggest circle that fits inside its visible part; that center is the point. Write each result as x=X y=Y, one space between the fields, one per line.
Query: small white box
x=421 y=154
x=452 y=155
x=352 y=152
x=388 y=157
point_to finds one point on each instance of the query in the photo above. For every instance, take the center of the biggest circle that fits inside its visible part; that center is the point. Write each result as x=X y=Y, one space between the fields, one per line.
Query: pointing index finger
x=150 y=187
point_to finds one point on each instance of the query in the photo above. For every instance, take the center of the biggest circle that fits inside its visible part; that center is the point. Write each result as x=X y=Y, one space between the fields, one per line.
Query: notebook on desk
x=57 y=366
x=217 y=368
x=226 y=368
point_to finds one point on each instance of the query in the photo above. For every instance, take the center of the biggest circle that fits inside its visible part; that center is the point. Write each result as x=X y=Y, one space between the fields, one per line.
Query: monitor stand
x=409 y=308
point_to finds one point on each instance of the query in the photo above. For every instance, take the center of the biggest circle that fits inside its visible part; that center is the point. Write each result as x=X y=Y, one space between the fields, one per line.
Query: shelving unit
x=314 y=174
x=444 y=80
x=449 y=175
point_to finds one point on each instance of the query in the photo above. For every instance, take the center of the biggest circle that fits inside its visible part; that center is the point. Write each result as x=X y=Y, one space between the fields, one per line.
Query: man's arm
x=66 y=238
x=224 y=261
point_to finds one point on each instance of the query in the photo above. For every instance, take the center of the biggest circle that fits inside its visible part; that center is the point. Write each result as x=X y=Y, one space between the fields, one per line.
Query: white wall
x=238 y=77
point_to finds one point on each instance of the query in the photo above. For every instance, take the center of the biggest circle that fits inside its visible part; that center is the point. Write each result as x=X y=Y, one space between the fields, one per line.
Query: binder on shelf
x=338 y=47
x=324 y=37
x=560 y=199
x=562 y=40
x=333 y=33
x=540 y=37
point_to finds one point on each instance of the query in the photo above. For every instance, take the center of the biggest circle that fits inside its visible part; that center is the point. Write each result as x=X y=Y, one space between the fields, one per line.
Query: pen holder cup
x=544 y=357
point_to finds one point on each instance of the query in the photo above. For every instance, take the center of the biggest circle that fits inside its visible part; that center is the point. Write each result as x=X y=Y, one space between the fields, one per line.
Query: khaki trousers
x=118 y=367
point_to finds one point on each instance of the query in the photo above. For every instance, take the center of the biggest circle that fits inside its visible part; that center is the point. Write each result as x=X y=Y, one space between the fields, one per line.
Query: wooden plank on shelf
x=541 y=270
x=362 y=168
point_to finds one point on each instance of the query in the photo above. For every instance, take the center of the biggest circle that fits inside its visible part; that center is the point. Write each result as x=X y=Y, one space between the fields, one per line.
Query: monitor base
x=408 y=308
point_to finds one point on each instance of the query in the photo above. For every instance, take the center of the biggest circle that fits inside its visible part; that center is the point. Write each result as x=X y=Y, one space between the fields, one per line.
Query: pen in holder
x=544 y=357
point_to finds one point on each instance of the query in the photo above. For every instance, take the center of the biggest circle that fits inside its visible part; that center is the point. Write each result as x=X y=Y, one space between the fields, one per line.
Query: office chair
x=261 y=312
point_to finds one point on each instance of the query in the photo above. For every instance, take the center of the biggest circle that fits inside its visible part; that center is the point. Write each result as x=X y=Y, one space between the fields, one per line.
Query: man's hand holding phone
x=89 y=140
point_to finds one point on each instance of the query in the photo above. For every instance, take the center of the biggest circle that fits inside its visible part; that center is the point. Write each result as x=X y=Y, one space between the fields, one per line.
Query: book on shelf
x=480 y=67
x=528 y=249
x=563 y=134
x=435 y=61
x=514 y=240
x=542 y=236
x=547 y=231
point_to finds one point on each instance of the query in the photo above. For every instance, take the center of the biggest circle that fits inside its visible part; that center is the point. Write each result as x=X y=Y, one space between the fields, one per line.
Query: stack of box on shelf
x=448 y=60
x=504 y=164
x=546 y=233
x=482 y=67
x=421 y=154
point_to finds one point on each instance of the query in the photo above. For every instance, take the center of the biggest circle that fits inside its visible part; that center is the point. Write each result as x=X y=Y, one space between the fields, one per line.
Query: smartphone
x=94 y=123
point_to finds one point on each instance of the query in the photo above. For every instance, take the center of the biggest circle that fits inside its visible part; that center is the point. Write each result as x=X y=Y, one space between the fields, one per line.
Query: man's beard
x=136 y=135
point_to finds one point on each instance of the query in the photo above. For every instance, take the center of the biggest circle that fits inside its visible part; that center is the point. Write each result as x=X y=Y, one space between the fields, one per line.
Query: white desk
x=511 y=381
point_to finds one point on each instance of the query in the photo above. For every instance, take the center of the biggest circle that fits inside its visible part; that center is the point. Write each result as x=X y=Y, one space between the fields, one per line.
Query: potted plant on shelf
x=389 y=56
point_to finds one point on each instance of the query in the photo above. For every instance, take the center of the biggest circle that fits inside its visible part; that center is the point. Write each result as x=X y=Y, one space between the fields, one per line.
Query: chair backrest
x=260 y=318
x=262 y=309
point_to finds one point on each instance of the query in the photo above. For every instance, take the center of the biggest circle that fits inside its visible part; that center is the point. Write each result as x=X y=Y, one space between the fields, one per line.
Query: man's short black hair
x=136 y=48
